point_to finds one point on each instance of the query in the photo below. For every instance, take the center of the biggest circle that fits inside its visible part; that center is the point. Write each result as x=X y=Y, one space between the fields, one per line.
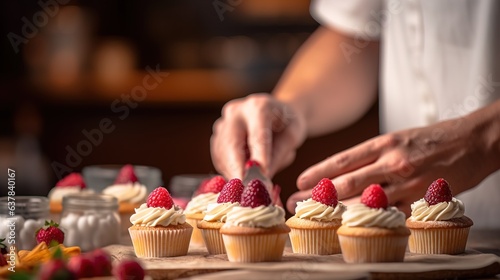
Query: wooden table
x=481 y=259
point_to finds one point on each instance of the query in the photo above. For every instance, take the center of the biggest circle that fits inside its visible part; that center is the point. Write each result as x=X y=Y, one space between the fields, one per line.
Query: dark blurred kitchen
x=114 y=82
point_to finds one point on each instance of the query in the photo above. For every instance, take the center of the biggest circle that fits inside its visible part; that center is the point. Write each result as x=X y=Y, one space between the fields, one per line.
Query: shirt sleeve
x=354 y=17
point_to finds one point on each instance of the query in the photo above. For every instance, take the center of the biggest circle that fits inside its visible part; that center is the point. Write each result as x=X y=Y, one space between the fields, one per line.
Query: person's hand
x=257 y=127
x=405 y=163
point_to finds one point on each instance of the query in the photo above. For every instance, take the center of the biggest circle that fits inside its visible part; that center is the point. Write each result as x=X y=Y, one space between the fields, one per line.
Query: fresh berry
x=231 y=192
x=55 y=269
x=81 y=266
x=374 y=197
x=438 y=191
x=325 y=193
x=129 y=270
x=101 y=262
x=251 y=163
x=214 y=185
x=126 y=175
x=160 y=197
x=72 y=180
x=255 y=194
x=51 y=234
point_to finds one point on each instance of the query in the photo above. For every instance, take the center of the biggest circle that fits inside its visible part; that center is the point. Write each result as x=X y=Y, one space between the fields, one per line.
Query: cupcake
x=372 y=231
x=71 y=184
x=255 y=231
x=437 y=222
x=314 y=226
x=206 y=194
x=127 y=189
x=216 y=215
x=159 y=227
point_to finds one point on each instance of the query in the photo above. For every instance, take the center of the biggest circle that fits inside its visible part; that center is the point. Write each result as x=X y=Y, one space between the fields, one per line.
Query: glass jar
x=90 y=221
x=28 y=216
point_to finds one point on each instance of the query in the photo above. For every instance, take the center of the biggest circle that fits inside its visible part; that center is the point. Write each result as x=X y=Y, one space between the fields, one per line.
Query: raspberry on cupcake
x=255 y=231
x=159 y=227
x=316 y=220
x=373 y=231
x=216 y=216
x=437 y=222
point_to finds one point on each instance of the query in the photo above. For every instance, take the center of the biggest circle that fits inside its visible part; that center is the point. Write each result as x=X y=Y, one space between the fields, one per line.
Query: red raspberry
x=214 y=185
x=51 y=234
x=255 y=194
x=81 y=266
x=160 y=197
x=325 y=192
x=231 y=192
x=101 y=261
x=54 y=269
x=129 y=270
x=201 y=187
x=126 y=175
x=438 y=191
x=374 y=197
x=251 y=163
x=73 y=179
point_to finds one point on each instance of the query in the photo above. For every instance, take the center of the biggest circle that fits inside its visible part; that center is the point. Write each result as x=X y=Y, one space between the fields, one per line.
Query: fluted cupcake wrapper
x=196 y=237
x=359 y=249
x=255 y=248
x=315 y=241
x=450 y=241
x=213 y=241
x=160 y=242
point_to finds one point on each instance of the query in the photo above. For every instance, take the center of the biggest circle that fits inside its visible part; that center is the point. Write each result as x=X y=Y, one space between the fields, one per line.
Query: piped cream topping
x=131 y=192
x=199 y=203
x=217 y=212
x=422 y=211
x=360 y=215
x=157 y=216
x=261 y=216
x=312 y=210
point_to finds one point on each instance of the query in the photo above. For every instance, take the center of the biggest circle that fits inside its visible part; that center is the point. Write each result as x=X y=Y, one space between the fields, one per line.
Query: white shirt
x=440 y=60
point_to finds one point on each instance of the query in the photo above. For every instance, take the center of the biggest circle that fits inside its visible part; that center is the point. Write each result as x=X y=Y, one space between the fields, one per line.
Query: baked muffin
x=255 y=231
x=195 y=209
x=437 y=222
x=159 y=227
x=216 y=215
x=128 y=190
x=73 y=183
x=316 y=220
x=372 y=231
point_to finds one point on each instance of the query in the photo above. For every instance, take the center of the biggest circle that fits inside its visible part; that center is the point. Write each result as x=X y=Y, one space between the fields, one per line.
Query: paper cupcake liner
x=196 y=237
x=157 y=243
x=315 y=241
x=373 y=249
x=450 y=241
x=213 y=241
x=255 y=248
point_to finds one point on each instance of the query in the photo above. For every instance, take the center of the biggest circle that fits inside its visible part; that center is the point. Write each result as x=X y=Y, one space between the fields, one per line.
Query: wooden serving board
x=199 y=265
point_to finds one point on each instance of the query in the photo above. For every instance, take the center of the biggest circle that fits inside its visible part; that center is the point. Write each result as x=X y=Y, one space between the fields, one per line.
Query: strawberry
x=255 y=194
x=214 y=185
x=374 y=197
x=54 y=269
x=231 y=192
x=101 y=262
x=438 y=191
x=160 y=197
x=325 y=193
x=81 y=266
x=51 y=234
x=251 y=163
x=129 y=270
x=126 y=175
x=72 y=180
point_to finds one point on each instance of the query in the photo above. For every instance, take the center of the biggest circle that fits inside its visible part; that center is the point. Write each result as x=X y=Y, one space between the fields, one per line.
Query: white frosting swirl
x=157 y=216
x=261 y=216
x=360 y=215
x=312 y=210
x=217 y=212
x=422 y=211
x=56 y=194
x=199 y=203
x=130 y=192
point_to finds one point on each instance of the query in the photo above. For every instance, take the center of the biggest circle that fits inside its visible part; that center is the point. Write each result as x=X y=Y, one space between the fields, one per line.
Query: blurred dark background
x=66 y=67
